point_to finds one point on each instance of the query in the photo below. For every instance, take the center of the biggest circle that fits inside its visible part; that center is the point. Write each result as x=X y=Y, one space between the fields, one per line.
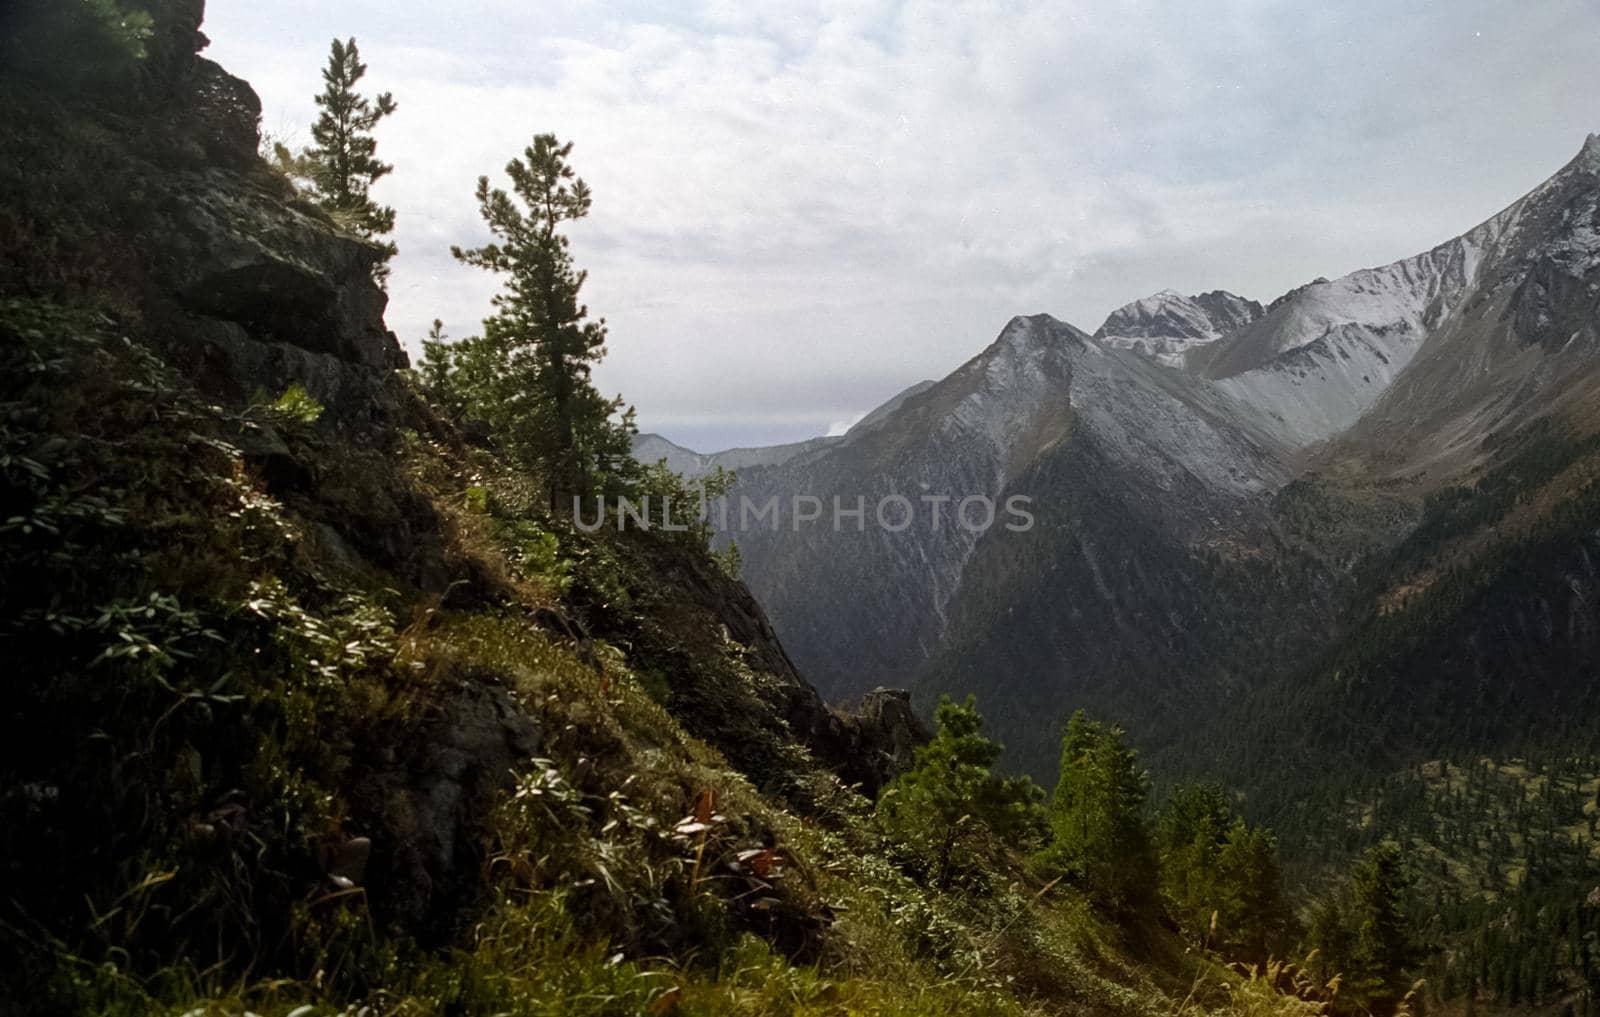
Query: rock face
x=255 y=286
x=1171 y=564
x=448 y=779
x=864 y=746
x=885 y=735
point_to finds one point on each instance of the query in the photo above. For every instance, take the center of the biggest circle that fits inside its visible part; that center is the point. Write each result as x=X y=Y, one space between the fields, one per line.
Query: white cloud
x=801 y=207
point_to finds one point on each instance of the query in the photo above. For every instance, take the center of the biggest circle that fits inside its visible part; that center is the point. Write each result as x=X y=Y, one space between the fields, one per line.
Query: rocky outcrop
x=431 y=796
x=865 y=746
x=164 y=201
x=884 y=733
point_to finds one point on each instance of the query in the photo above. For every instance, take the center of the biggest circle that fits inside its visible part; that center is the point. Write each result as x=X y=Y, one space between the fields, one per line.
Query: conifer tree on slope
x=935 y=808
x=529 y=372
x=343 y=165
x=1383 y=947
x=1219 y=874
x=1097 y=825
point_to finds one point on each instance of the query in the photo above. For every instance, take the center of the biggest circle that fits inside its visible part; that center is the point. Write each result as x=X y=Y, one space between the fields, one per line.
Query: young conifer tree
x=540 y=340
x=342 y=164
x=1097 y=824
x=942 y=807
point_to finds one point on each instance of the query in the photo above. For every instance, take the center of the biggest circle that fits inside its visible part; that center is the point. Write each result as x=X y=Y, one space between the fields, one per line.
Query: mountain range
x=1268 y=538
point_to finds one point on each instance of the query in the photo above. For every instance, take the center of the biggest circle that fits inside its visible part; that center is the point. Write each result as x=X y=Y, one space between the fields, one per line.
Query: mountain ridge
x=1352 y=399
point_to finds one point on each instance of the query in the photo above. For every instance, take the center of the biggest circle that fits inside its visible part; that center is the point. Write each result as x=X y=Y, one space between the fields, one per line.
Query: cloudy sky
x=804 y=206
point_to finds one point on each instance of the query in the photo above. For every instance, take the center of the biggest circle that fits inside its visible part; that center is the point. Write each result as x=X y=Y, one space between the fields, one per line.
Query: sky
x=802 y=207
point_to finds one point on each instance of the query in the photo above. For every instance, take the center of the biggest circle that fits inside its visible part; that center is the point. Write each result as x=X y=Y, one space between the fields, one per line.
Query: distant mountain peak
x=1167 y=324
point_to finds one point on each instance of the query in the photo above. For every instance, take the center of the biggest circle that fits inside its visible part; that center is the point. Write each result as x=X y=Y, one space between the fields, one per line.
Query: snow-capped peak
x=1167 y=324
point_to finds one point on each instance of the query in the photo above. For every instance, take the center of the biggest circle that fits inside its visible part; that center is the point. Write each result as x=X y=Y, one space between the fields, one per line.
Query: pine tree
x=950 y=796
x=343 y=165
x=1382 y=946
x=1250 y=907
x=1219 y=875
x=529 y=374
x=1097 y=824
x=1189 y=835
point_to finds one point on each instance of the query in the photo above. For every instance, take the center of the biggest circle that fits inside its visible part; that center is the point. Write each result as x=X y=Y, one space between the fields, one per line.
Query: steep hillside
x=313 y=708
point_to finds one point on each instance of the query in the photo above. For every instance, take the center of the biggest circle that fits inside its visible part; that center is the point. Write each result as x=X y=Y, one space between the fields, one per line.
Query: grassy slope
x=250 y=641
x=594 y=890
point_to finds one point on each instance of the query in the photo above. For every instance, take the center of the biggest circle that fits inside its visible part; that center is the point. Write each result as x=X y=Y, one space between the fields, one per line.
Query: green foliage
x=730 y=560
x=944 y=808
x=676 y=508
x=295 y=406
x=342 y=163
x=528 y=376
x=1506 y=865
x=180 y=682
x=1098 y=835
x=440 y=372
x=536 y=553
x=1219 y=875
x=1363 y=932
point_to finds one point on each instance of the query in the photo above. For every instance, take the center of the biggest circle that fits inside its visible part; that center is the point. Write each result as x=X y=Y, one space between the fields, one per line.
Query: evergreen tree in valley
x=1364 y=936
x=950 y=797
x=1190 y=832
x=1220 y=875
x=342 y=164
x=1383 y=947
x=1097 y=824
x=528 y=375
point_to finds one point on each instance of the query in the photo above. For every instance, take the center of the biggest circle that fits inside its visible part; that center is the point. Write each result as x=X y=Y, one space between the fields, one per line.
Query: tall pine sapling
x=1219 y=874
x=342 y=164
x=1098 y=834
x=1363 y=935
x=528 y=375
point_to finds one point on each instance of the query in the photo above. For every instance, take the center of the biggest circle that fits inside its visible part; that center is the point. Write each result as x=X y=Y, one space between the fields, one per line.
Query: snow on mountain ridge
x=1166 y=325
x=1005 y=385
x=1298 y=372
x=1414 y=293
x=1325 y=353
